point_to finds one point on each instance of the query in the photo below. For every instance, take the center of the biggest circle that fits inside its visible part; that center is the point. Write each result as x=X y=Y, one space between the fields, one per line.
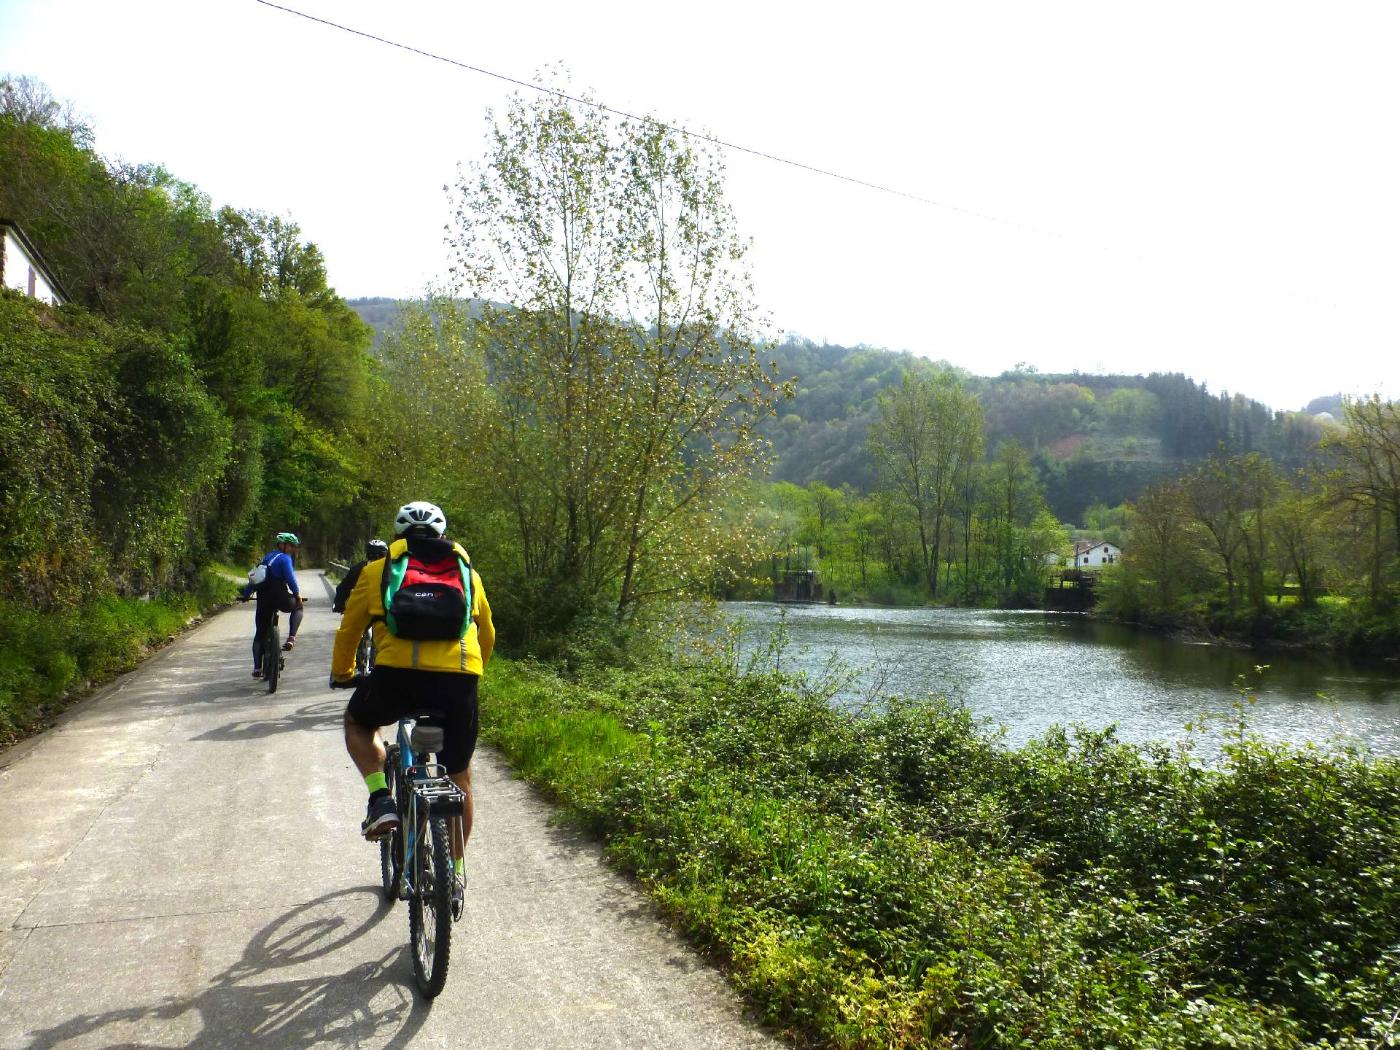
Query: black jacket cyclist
x=373 y=549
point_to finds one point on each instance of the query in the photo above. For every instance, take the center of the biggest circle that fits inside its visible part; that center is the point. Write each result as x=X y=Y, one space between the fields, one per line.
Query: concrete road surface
x=181 y=866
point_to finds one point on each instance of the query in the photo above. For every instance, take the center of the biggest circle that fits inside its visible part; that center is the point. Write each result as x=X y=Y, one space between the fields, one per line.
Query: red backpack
x=427 y=600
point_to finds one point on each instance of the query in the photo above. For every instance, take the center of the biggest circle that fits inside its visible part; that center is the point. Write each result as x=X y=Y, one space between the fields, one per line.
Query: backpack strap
x=390 y=579
x=464 y=563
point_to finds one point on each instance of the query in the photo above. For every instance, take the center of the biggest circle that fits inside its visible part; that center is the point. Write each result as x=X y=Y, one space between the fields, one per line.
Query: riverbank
x=49 y=660
x=901 y=880
x=1331 y=626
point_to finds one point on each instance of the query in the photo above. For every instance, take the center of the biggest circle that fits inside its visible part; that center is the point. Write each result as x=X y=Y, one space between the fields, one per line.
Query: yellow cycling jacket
x=469 y=655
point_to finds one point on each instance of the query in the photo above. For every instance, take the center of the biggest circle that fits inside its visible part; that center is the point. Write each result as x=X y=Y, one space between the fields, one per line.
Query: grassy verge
x=899 y=880
x=48 y=659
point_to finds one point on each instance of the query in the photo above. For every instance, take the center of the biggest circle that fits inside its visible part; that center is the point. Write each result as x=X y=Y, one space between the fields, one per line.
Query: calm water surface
x=1028 y=671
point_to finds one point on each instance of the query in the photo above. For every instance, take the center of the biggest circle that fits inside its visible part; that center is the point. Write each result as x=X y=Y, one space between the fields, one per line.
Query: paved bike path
x=180 y=866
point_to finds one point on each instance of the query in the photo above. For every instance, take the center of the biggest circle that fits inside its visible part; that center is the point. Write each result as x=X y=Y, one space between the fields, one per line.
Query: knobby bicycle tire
x=272 y=657
x=391 y=845
x=430 y=908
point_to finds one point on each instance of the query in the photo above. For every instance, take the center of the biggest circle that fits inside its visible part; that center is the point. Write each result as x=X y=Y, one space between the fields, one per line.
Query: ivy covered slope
x=900 y=880
x=201 y=388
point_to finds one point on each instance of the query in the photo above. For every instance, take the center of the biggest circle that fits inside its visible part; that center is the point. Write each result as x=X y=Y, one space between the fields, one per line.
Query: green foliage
x=1239 y=548
x=51 y=449
x=624 y=380
x=202 y=387
x=900 y=880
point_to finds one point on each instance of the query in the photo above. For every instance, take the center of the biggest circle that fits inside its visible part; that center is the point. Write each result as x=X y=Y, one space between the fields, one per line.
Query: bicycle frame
x=425 y=784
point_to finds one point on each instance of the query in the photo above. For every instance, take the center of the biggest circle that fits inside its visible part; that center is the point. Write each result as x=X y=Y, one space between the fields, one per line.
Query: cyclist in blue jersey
x=278 y=592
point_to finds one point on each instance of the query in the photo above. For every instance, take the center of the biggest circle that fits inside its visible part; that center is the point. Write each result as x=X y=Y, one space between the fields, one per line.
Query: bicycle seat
x=425 y=737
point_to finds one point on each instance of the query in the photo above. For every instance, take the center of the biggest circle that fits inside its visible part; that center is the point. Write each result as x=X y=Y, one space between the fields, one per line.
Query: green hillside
x=1093 y=438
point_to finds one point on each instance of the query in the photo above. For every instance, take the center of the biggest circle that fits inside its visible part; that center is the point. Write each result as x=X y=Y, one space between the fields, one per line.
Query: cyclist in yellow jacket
x=412 y=676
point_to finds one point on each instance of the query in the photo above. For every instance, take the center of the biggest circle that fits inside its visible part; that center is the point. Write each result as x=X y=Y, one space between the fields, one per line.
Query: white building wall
x=1103 y=554
x=22 y=275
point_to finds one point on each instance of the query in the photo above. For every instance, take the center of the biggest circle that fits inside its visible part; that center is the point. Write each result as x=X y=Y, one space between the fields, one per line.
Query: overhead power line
x=676 y=129
x=736 y=147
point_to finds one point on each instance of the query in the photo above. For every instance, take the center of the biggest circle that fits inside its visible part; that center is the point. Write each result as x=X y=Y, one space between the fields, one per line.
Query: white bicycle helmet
x=418 y=513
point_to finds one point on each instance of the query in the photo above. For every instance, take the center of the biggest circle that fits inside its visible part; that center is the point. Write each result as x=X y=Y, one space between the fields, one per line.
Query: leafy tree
x=1166 y=547
x=628 y=381
x=1300 y=533
x=1129 y=410
x=828 y=507
x=1219 y=507
x=1366 y=455
x=1015 y=502
x=928 y=430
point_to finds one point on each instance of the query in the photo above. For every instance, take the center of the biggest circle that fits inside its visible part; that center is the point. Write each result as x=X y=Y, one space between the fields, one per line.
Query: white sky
x=1212 y=188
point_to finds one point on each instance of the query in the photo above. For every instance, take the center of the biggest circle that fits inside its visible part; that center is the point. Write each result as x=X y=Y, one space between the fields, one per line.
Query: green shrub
x=900 y=879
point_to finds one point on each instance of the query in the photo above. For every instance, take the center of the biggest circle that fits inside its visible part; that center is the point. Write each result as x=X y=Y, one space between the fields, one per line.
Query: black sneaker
x=381 y=819
x=458 y=896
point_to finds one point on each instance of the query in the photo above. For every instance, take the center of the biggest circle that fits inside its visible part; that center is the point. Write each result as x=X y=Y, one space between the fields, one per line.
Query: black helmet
x=376 y=549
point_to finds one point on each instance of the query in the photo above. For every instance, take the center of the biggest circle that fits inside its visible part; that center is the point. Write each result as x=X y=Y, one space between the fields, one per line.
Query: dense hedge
x=902 y=880
x=106 y=436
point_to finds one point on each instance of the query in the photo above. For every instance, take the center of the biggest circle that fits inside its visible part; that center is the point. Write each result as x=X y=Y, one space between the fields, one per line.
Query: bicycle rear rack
x=442 y=797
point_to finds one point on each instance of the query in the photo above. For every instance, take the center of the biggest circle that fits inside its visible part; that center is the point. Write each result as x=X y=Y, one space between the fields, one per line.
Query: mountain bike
x=415 y=861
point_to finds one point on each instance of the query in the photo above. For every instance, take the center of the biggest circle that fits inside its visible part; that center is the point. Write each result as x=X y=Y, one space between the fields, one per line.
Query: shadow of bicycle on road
x=322 y=716
x=371 y=1002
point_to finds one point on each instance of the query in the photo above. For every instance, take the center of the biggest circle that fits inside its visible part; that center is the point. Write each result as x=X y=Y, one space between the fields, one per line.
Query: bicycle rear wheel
x=391 y=845
x=430 y=908
x=272 y=656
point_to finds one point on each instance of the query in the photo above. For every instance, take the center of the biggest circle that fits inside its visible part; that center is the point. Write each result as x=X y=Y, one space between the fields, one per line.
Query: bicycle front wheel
x=362 y=656
x=272 y=657
x=391 y=846
x=430 y=908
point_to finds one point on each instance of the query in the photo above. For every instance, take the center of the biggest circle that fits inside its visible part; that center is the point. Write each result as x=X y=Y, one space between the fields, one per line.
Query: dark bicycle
x=364 y=654
x=415 y=861
x=272 y=659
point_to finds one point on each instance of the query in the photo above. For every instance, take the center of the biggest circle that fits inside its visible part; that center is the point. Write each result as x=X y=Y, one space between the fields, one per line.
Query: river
x=1029 y=670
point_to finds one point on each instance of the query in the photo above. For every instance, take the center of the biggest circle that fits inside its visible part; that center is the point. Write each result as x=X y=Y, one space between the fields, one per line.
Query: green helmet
x=288 y=537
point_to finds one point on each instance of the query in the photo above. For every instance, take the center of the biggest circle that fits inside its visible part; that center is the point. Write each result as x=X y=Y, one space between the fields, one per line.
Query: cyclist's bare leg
x=365 y=747
x=295 y=624
x=459 y=837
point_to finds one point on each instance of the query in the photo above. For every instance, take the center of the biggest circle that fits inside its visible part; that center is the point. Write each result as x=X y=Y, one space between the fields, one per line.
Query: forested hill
x=1094 y=438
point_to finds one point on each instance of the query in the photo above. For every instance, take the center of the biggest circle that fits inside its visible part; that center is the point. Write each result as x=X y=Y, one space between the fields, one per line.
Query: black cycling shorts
x=392 y=693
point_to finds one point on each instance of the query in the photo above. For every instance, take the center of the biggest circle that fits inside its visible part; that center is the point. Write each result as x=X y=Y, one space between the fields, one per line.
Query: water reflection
x=1030 y=670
